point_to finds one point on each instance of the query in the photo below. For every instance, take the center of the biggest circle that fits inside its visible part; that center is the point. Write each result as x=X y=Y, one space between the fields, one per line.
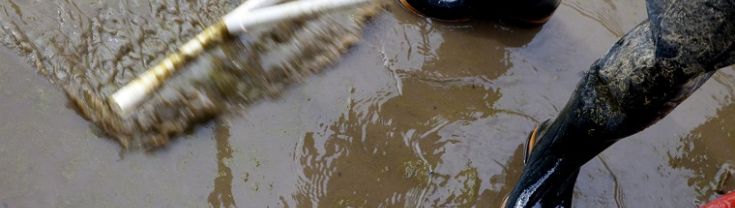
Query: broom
x=246 y=16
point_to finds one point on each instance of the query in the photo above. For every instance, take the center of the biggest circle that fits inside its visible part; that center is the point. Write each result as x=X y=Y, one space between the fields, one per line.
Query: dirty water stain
x=221 y=196
x=394 y=145
x=603 y=15
x=707 y=152
x=616 y=182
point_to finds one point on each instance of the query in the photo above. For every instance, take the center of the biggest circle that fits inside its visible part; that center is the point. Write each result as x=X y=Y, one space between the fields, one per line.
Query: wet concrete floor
x=420 y=113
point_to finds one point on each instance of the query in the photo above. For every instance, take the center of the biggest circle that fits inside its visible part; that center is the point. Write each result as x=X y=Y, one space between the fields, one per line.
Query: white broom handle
x=251 y=5
x=239 y=21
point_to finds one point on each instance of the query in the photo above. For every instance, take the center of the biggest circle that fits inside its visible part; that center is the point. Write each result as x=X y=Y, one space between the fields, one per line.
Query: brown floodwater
x=419 y=113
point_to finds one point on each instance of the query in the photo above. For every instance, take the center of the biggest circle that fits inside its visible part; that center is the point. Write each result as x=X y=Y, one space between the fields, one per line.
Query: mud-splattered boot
x=563 y=197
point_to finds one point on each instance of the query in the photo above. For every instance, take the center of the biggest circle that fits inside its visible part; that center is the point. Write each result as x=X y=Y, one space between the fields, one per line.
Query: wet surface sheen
x=419 y=113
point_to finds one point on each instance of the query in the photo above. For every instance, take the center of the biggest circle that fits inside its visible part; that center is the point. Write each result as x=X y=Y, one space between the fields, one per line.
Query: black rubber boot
x=644 y=76
x=562 y=196
x=525 y=11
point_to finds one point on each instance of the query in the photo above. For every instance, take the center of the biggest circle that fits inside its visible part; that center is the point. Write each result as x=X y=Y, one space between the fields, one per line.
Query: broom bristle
x=227 y=78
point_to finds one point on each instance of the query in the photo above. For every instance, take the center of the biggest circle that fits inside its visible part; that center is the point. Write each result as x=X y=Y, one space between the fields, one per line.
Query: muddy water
x=419 y=113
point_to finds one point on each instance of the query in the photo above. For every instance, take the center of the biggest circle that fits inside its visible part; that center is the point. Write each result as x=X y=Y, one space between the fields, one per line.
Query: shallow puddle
x=419 y=113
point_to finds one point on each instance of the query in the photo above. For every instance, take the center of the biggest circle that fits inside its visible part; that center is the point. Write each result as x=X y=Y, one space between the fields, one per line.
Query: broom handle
x=250 y=5
x=236 y=23
x=244 y=17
